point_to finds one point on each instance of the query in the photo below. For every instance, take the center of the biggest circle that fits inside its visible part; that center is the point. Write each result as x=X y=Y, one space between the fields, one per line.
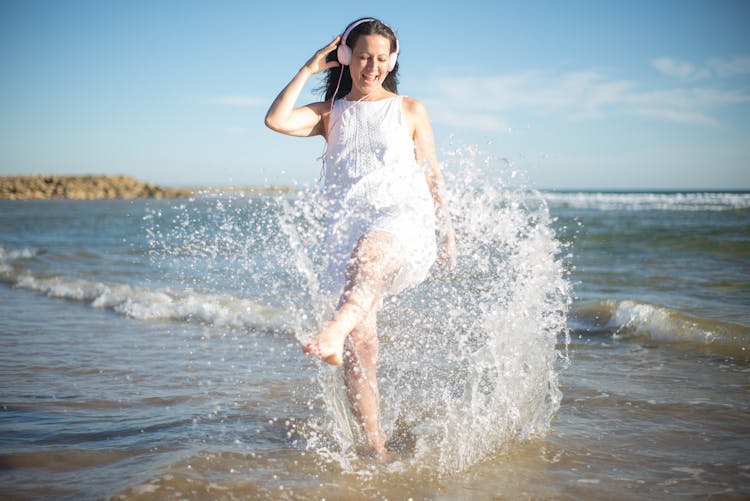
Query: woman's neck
x=373 y=96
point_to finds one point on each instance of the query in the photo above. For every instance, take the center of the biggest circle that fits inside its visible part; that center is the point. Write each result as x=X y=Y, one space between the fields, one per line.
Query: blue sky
x=577 y=94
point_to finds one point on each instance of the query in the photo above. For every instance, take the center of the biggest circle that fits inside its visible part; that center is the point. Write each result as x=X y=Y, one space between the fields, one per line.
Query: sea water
x=586 y=345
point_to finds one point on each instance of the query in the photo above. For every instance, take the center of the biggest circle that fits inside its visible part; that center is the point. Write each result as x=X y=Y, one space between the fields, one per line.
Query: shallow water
x=132 y=368
x=154 y=412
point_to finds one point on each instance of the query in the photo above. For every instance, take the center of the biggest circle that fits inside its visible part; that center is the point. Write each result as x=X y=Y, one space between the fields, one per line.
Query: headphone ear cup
x=344 y=54
x=392 y=61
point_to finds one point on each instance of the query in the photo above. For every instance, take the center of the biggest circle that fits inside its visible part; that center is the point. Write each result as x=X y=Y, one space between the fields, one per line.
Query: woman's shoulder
x=320 y=106
x=413 y=107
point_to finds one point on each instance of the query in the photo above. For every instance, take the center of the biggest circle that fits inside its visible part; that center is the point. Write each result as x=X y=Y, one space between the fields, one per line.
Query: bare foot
x=381 y=455
x=376 y=443
x=385 y=458
x=328 y=344
x=377 y=453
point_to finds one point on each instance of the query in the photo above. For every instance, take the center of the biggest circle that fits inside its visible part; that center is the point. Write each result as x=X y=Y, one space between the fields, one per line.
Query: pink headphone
x=344 y=52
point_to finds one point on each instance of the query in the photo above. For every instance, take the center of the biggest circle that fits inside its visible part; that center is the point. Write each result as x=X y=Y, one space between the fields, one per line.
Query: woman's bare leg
x=375 y=261
x=360 y=365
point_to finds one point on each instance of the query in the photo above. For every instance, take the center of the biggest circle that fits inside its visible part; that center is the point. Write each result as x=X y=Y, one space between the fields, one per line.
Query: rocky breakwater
x=83 y=188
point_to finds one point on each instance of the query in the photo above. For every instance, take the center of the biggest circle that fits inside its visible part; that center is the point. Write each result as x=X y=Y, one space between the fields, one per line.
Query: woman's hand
x=447 y=259
x=318 y=62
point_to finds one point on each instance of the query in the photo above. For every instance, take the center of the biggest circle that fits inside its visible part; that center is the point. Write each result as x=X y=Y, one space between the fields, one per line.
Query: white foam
x=144 y=303
x=7 y=254
x=705 y=201
x=632 y=319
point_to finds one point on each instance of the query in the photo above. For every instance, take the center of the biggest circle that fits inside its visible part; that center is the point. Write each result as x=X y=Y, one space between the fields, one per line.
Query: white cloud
x=678 y=116
x=242 y=101
x=694 y=98
x=679 y=69
x=486 y=103
x=235 y=129
x=470 y=120
x=541 y=92
x=723 y=68
x=729 y=68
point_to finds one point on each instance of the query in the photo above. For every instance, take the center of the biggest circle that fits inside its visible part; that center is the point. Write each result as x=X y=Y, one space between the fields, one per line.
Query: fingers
x=331 y=46
x=318 y=63
x=444 y=262
x=448 y=263
x=448 y=259
x=323 y=53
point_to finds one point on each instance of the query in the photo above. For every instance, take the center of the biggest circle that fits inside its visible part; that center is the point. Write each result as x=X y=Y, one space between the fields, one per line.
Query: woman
x=383 y=190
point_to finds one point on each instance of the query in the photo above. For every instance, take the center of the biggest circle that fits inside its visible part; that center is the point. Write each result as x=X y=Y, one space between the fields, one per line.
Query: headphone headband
x=344 y=53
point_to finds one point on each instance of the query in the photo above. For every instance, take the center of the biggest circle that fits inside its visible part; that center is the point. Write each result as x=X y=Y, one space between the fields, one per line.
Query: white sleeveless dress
x=372 y=182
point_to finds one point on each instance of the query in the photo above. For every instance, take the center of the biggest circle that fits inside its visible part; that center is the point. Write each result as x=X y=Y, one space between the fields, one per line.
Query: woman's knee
x=364 y=336
x=378 y=254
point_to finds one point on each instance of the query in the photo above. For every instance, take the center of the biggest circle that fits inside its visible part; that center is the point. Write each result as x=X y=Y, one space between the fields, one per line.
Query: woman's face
x=369 y=66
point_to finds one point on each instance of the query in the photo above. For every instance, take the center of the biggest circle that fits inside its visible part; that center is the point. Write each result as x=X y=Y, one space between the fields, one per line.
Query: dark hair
x=374 y=27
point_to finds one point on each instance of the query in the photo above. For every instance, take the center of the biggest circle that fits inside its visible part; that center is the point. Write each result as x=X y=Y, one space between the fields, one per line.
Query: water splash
x=468 y=359
x=231 y=245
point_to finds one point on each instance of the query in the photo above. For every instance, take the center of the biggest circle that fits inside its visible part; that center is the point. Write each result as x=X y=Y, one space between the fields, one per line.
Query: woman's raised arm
x=305 y=120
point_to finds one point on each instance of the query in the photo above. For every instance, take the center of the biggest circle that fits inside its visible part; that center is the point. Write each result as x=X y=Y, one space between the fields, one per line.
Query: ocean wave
x=686 y=201
x=7 y=255
x=141 y=302
x=631 y=320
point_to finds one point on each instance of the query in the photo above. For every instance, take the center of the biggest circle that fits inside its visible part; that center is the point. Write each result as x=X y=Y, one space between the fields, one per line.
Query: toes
x=314 y=349
x=310 y=349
